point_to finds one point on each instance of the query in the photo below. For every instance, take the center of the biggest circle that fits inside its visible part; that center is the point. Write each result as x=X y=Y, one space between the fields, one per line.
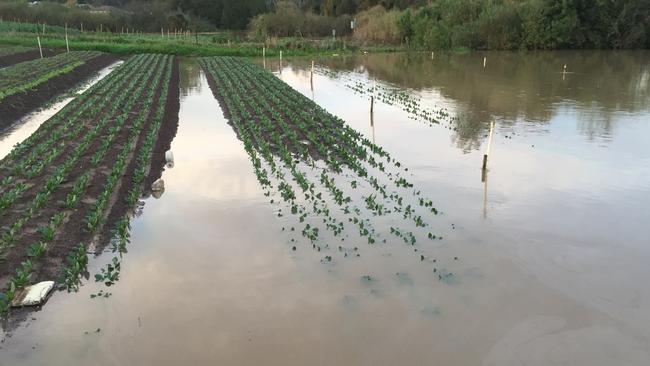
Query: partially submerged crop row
x=27 y=75
x=411 y=104
x=30 y=85
x=328 y=175
x=60 y=186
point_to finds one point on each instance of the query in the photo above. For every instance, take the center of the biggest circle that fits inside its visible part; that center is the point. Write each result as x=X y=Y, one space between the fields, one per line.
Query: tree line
x=418 y=24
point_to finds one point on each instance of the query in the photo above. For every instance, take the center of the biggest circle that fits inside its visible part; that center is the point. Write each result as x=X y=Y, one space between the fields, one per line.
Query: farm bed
x=72 y=184
x=13 y=55
x=28 y=85
x=338 y=185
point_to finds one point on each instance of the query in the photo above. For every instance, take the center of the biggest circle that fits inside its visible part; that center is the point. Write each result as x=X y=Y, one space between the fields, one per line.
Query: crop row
x=27 y=75
x=28 y=159
x=96 y=140
x=318 y=166
x=413 y=105
x=10 y=50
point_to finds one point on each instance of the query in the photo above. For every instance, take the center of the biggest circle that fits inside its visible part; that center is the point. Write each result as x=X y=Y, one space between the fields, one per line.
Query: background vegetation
x=418 y=24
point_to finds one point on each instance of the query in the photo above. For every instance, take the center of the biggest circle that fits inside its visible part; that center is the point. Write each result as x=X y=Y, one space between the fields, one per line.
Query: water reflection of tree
x=189 y=77
x=519 y=86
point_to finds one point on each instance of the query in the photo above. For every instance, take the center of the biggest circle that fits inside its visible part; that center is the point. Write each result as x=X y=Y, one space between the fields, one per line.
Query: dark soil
x=15 y=58
x=16 y=106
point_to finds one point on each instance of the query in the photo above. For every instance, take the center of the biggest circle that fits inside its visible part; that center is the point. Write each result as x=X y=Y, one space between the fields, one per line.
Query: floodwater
x=549 y=250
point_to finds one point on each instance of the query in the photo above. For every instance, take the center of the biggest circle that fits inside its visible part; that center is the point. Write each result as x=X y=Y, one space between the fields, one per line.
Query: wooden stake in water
x=39 y=45
x=311 y=78
x=487 y=152
x=280 y=62
x=484 y=61
x=432 y=55
x=372 y=98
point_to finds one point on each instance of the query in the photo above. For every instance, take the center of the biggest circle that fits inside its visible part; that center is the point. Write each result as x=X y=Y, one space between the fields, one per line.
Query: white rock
x=33 y=295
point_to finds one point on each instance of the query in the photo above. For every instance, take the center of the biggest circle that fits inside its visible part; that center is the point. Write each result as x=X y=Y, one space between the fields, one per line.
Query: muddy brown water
x=552 y=249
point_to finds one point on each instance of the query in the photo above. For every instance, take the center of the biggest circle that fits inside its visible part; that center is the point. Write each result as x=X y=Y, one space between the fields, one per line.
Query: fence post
x=487 y=152
x=39 y=45
x=67 y=46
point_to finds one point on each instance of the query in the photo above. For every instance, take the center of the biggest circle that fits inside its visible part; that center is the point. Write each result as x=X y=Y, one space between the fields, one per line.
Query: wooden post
x=311 y=78
x=432 y=55
x=162 y=33
x=39 y=45
x=67 y=46
x=82 y=27
x=43 y=28
x=487 y=152
x=484 y=61
x=372 y=98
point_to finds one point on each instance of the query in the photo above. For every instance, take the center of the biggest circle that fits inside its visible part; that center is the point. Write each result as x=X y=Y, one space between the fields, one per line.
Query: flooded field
x=541 y=260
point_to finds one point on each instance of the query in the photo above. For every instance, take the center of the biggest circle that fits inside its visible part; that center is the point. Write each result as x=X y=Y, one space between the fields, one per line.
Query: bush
x=289 y=21
x=379 y=25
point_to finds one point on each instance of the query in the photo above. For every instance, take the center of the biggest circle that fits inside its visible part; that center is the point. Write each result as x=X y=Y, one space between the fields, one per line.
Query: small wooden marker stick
x=484 y=61
x=39 y=45
x=487 y=152
x=372 y=98
x=67 y=46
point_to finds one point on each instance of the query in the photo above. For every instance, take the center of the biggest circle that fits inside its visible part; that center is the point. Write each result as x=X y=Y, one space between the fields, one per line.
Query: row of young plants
x=94 y=100
x=11 y=50
x=13 y=285
x=299 y=149
x=120 y=229
x=107 y=144
x=32 y=163
x=413 y=105
x=29 y=74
